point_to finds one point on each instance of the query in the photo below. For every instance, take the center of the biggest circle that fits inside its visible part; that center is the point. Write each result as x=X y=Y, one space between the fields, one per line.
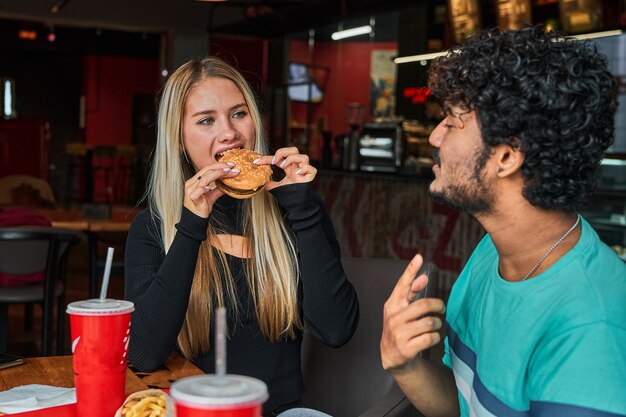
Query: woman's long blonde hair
x=272 y=272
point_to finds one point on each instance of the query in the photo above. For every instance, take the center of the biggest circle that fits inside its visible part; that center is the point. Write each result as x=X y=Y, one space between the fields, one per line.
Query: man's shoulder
x=600 y=268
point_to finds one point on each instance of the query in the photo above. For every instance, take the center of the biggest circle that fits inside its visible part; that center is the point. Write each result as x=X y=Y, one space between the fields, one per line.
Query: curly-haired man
x=536 y=322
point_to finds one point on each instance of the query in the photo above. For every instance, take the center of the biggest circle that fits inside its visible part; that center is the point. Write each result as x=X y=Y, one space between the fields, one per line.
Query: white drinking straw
x=220 y=342
x=107 y=273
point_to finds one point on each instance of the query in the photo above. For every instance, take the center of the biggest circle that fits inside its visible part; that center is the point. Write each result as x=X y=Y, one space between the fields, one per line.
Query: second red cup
x=219 y=396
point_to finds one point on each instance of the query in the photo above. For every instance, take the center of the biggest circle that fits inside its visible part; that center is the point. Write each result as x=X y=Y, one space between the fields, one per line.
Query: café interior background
x=82 y=77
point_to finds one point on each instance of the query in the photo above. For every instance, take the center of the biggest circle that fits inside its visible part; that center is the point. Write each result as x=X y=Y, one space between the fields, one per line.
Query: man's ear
x=508 y=159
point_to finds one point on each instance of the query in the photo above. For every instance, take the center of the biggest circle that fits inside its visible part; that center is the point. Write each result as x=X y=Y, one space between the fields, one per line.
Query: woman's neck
x=227 y=221
x=227 y=216
x=234 y=245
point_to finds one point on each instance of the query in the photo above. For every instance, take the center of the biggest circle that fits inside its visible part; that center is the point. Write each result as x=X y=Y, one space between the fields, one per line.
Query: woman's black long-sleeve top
x=160 y=284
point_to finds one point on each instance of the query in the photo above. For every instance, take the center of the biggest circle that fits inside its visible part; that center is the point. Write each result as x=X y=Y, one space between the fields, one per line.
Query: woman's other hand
x=296 y=166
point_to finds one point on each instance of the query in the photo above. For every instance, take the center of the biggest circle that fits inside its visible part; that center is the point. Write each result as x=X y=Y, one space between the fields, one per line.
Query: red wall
x=109 y=83
x=348 y=81
x=25 y=148
x=248 y=55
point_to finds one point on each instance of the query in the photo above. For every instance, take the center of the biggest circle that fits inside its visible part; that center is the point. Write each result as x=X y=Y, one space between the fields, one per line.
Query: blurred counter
x=384 y=215
x=607 y=209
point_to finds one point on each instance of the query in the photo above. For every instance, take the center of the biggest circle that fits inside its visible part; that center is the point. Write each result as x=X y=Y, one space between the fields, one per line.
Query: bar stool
x=104 y=164
x=76 y=173
x=124 y=157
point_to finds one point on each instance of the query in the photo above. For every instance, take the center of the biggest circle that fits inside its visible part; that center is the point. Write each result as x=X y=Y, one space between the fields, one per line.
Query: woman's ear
x=508 y=159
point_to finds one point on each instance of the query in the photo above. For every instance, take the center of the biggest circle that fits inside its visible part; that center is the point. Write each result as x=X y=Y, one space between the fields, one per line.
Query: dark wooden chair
x=349 y=381
x=27 y=250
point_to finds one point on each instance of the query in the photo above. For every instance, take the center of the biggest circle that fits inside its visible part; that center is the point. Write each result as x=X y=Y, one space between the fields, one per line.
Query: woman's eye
x=239 y=114
x=207 y=121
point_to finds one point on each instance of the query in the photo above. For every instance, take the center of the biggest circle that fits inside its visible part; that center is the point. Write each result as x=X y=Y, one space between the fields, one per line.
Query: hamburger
x=250 y=180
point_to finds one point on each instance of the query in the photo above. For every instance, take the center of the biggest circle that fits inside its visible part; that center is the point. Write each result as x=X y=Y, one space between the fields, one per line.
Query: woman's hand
x=296 y=166
x=200 y=190
x=408 y=326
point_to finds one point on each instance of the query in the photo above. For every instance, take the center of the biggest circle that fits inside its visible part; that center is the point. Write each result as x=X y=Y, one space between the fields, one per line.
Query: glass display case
x=607 y=209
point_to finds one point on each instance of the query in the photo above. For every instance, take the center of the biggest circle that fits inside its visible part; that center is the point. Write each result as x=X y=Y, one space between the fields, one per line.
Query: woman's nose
x=437 y=134
x=227 y=132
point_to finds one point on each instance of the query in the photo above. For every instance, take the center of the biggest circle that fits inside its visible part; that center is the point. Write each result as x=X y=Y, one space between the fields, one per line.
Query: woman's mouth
x=219 y=155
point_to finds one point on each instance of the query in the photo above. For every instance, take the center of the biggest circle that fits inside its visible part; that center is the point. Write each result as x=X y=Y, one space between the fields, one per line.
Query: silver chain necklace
x=557 y=243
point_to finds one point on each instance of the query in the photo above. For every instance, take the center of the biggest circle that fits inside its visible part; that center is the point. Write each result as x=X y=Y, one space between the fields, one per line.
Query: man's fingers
x=403 y=287
x=401 y=343
x=423 y=341
x=417 y=285
x=425 y=306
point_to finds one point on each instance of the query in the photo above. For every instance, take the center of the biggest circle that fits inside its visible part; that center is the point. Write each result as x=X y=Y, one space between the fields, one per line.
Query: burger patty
x=235 y=190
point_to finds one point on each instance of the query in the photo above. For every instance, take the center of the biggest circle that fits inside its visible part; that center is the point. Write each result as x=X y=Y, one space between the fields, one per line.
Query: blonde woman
x=273 y=260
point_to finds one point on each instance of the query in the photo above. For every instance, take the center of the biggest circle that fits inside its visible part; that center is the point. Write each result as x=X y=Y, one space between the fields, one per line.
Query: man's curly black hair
x=551 y=96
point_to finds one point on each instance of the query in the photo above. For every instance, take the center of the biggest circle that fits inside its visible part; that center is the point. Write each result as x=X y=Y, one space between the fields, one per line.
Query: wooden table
x=121 y=218
x=57 y=371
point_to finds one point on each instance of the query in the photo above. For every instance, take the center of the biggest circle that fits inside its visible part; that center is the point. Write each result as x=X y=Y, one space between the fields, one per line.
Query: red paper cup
x=100 y=334
x=214 y=396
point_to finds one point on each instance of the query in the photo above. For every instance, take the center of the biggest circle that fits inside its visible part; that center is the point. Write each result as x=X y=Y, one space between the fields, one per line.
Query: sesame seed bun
x=252 y=178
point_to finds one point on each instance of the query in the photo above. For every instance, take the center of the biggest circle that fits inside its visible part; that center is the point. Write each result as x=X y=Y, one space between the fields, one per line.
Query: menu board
x=465 y=18
x=514 y=14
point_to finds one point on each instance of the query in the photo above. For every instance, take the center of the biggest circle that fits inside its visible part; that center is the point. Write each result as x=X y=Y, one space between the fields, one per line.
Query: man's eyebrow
x=459 y=114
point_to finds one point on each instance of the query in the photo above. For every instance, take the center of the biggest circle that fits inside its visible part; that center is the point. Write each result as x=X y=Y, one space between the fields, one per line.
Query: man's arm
x=407 y=331
x=429 y=386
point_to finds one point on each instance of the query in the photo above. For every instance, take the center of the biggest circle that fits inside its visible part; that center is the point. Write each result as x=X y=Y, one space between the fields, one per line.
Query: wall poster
x=383 y=83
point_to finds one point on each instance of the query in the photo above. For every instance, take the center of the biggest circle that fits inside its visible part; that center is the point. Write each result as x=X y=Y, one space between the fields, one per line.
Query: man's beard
x=474 y=196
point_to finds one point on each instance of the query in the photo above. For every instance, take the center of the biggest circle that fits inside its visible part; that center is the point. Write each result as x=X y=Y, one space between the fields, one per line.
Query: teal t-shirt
x=554 y=345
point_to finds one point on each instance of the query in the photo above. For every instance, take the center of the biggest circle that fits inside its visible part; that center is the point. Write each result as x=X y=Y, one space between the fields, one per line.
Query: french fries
x=147 y=406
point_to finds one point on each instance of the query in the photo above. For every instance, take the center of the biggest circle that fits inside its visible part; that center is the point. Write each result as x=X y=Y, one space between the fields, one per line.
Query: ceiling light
x=426 y=57
x=361 y=30
x=596 y=35
x=420 y=57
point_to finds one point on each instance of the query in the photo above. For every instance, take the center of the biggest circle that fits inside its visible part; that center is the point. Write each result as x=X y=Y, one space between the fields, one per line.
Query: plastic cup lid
x=96 y=306
x=207 y=391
